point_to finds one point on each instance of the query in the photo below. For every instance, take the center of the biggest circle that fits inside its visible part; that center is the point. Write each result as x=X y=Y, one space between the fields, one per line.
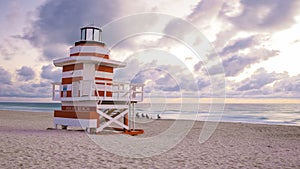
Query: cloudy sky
x=257 y=43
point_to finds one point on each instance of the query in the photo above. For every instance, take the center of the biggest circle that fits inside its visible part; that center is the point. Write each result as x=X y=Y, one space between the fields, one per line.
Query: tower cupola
x=91 y=33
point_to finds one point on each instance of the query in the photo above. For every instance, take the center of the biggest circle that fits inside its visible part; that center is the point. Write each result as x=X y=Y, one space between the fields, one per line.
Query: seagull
x=143 y=115
x=147 y=116
x=137 y=115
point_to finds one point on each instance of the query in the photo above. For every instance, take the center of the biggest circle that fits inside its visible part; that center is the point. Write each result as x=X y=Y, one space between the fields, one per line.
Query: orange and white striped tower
x=89 y=96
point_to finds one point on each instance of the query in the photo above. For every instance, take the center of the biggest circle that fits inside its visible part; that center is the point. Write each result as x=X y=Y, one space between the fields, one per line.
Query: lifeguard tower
x=89 y=97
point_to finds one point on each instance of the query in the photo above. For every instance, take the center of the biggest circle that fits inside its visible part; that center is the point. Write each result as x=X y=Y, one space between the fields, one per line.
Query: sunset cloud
x=245 y=34
x=5 y=76
x=266 y=15
x=49 y=73
x=25 y=73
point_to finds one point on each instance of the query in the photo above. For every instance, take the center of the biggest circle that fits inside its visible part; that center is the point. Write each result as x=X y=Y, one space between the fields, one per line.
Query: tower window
x=83 y=33
x=89 y=34
x=96 y=35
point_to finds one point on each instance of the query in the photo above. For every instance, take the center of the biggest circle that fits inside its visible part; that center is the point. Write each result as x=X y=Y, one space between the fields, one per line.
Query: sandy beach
x=26 y=143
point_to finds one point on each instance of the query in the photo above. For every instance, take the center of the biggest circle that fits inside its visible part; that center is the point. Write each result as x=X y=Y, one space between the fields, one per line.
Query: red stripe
x=69 y=80
x=102 y=78
x=66 y=94
x=78 y=66
x=101 y=93
x=104 y=68
x=76 y=115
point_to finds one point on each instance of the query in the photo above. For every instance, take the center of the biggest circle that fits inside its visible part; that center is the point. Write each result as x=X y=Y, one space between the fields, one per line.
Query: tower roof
x=91 y=26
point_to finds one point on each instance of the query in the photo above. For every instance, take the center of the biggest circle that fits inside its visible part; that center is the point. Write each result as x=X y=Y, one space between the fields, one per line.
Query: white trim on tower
x=101 y=74
x=72 y=73
x=89 y=49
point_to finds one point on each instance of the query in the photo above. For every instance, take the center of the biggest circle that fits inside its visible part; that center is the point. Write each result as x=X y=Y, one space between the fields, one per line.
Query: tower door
x=86 y=88
x=75 y=89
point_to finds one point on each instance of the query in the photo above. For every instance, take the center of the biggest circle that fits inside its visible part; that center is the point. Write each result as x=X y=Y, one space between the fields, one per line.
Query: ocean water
x=30 y=107
x=287 y=114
